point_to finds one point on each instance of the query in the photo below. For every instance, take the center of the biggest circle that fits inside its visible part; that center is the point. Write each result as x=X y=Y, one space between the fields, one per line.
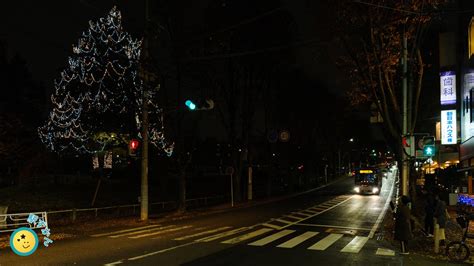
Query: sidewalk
x=421 y=247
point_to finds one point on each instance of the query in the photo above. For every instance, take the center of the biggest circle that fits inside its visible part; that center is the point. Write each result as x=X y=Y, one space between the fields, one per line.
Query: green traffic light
x=190 y=105
x=429 y=151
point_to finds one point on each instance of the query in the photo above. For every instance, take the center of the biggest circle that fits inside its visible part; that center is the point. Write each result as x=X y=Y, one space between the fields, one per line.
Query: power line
x=388 y=7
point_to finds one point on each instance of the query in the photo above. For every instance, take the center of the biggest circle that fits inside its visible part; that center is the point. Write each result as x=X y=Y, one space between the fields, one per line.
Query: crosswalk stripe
x=326 y=242
x=126 y=230
x=299 y=216
x=161 y=232
x=355 y=245
x=247 y=236
x=326 y=205
x=142 y=231
x=202 y=233
x=310 y=211
x=272 y=226
x=221 y=235
x=283 y=221
x=294 y=217
x=271 y=238
x=385 y=252
x=297 y=240
x=302 y=214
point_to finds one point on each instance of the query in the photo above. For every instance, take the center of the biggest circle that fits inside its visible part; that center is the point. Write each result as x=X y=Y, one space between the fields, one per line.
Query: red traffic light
x=134 y=144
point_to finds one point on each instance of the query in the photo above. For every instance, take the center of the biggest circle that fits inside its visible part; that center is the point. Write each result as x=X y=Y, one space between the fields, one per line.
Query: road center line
x=161 y=251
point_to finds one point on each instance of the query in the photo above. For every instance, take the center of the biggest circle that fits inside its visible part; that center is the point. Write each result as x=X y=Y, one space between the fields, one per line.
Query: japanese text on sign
x=448 y=87
x=448 y=127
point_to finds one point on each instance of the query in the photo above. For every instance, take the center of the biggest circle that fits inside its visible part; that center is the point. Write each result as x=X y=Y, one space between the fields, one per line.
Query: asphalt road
x=331 y=226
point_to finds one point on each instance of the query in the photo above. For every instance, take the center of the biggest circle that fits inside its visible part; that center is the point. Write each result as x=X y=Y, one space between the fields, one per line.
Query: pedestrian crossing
x=300 y=216
x=255 y=236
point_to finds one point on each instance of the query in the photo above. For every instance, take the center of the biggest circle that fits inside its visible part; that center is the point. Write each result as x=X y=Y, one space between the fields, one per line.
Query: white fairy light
x=100 y=91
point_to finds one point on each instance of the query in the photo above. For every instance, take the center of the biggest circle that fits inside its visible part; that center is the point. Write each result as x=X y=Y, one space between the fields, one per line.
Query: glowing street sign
x=448 y=87
x=366 y=171
x=449 y=131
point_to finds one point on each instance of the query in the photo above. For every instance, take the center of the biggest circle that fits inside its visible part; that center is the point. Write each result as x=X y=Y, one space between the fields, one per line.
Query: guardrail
x=133 y=208
x=15 y=220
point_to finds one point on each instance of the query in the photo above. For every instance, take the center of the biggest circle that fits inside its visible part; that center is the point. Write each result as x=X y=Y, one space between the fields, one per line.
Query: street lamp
x=351 y=140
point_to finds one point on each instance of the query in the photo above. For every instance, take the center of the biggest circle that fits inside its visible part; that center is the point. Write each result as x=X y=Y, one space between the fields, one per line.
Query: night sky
x=42 y=32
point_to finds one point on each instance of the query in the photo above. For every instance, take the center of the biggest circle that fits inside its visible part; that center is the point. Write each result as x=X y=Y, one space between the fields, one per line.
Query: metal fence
x=72 y=215
x=10 y=222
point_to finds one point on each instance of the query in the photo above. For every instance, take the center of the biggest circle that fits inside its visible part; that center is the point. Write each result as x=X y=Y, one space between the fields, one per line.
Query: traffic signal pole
x=144 y=166
x=405 y=164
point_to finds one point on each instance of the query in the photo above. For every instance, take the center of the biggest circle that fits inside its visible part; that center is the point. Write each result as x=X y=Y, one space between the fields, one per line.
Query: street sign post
x=230 y=171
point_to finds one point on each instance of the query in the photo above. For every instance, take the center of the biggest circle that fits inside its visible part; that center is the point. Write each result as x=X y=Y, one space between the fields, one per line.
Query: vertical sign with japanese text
x=448 y=87
x=448 y=127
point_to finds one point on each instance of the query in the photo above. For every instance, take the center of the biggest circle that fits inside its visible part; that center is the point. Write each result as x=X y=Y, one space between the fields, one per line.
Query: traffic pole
x=405 y=170
x=436 y=236
x=144 y=165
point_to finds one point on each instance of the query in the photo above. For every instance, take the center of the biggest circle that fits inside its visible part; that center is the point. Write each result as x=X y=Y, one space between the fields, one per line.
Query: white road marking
x=271 y=238
x=272 y=226
x=142 y=231
x=326 y=205
x=283 y=221
x=202 y=233
x=385 y=252
x=161 y=232
x=294 y=217
x=302 y=214
x=114 y=263
x=310 y=211
x=126 y=230
x=247 y=236
x=324 y=243
x=161 y=251
x=383 y=212
x=297 y=240
x=355 y=245
x=318 y=213
x=221 y=235
x=334 y=226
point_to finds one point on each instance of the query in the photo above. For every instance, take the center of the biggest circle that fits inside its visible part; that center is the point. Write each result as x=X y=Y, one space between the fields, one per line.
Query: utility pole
x=144 y=174
x=405 y=170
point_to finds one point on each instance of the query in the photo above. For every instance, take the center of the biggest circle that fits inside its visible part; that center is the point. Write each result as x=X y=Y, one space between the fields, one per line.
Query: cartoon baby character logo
x=24 y=241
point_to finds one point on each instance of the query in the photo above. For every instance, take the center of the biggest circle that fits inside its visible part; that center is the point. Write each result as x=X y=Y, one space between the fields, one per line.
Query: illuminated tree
x=97 y=100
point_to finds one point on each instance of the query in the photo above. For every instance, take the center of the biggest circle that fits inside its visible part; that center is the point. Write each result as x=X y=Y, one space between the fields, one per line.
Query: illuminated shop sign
x=448 y=87
x=448 y=127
